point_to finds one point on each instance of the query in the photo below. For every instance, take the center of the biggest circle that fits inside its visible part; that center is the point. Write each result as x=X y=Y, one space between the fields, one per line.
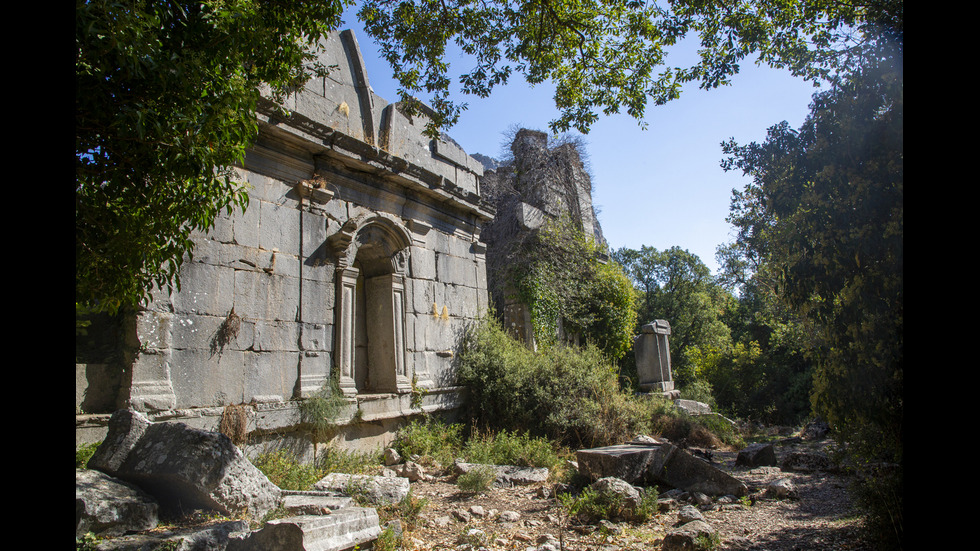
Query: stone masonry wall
x=359 y=257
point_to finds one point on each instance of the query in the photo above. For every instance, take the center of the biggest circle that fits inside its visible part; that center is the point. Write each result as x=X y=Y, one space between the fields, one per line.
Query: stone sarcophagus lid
x=652 y=353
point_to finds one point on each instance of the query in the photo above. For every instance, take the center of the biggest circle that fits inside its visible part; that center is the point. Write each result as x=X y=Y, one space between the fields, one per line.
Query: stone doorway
x=371 y=307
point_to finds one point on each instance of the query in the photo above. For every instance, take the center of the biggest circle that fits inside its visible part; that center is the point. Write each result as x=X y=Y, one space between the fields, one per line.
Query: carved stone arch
x=372 y=261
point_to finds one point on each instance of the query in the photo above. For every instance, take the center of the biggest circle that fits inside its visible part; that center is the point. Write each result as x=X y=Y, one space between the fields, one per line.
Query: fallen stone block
x=756 y=455
x=341 y=530
x=214 y=537
x=107 y=506
x=664 y=464
x=184 y=468
x=507 y=475
x=377 y=490
x=629 y=462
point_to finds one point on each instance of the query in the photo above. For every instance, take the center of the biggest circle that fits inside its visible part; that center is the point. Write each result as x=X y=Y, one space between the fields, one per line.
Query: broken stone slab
x=214 y=537
x=107 y=506
x=183 y=467
x=377 y=490
x=507 y=475
x=341 y=530
x=658 y=464
x=692 y=407
x=756 y=455
x=313 y=503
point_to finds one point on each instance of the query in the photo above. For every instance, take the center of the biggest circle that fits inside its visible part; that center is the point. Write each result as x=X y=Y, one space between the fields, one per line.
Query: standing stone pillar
x=344 y=347
x=652 y=354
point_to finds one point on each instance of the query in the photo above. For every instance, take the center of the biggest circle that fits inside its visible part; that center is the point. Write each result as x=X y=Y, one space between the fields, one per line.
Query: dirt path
x=819 y=517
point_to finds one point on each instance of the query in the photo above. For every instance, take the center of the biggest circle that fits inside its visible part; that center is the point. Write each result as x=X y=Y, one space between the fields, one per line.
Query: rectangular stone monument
x=653 y=357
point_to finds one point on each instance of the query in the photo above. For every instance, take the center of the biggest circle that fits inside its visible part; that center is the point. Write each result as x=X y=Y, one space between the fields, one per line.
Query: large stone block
x=658 y=464
x=107 y=506
x=184 y=468
x=205 y=289
x=376 y=489
x=270 y=376
x=423 y=263
x=279 y=227
x=201 y=378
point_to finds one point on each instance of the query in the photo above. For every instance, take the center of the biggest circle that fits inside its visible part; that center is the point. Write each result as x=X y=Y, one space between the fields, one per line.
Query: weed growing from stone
x=83 y=453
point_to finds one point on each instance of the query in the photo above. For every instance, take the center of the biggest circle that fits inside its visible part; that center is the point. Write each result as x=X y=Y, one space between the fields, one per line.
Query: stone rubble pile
x=143 y=468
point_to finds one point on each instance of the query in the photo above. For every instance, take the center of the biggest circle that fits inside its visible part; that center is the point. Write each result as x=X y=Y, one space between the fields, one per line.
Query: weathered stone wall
x=359 y=255
x=541 y=181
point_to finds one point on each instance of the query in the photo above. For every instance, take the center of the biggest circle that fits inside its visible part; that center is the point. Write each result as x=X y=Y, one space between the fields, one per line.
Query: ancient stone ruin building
x=541 y=181
x=359 y=256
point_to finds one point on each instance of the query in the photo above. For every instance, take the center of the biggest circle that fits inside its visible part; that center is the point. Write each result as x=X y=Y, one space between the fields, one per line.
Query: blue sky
x=660 y=187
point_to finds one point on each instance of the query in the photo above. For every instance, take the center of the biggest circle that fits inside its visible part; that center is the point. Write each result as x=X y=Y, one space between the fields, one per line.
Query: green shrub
x=83 y=453
x=477 y=480
x=387 y=541
x=878 y=494
x=565 y=393
x=591 y=506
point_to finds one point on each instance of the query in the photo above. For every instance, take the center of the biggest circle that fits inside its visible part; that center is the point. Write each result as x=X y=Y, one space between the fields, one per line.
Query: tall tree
x=610 y=55
x=824 y=215
x=165 y=101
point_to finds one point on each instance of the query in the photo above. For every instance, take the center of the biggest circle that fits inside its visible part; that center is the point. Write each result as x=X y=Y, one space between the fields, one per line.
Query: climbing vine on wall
x=574 y=293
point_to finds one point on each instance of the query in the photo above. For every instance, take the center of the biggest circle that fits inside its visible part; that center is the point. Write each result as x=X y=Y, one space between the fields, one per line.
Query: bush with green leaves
x=321 y=410
x=568 y=394
x=558 y=274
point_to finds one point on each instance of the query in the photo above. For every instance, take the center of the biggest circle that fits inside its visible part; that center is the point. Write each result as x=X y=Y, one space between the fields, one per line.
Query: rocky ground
x=818 y=516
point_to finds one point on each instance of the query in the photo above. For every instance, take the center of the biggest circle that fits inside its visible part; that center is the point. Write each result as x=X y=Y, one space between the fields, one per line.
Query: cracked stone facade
x=359 y=257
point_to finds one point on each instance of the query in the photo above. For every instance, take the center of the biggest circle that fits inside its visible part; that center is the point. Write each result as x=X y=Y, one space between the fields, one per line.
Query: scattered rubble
x=514 y=516
x=142 y=467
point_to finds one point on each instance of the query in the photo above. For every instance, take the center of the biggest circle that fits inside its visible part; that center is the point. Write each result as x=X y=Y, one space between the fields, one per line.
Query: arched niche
x=372 y=259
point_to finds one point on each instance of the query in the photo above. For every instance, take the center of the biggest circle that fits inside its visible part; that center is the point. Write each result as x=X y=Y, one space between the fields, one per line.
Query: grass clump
x=478 y=480
x=283 y=469
x=322 y=410
x=335 y=460
x=511 y=448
